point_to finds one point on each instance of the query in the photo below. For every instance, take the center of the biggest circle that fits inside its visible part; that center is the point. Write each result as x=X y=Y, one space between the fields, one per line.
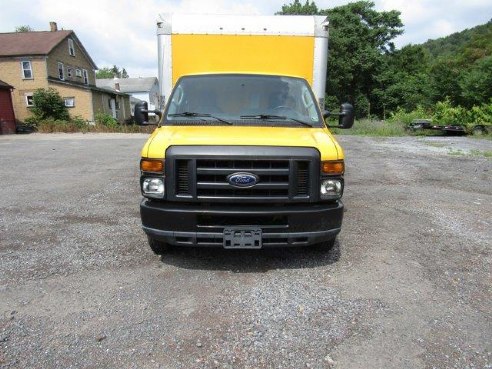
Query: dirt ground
x=408 y=284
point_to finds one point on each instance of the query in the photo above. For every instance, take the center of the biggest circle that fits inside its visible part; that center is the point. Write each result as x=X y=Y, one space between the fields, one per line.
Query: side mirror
x=141 y=114
x=345 y=116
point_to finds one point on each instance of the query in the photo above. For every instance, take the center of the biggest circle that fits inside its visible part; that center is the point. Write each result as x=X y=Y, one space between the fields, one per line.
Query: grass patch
x=434 y=144
x=457 y=152
x=485 y=154
x=367 y=127
x=60 y=126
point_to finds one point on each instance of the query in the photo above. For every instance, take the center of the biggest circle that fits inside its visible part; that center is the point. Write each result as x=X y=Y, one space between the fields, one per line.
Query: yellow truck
x=242 y=157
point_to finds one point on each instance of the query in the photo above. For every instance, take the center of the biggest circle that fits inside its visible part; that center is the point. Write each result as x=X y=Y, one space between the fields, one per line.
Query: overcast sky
x=122 y=32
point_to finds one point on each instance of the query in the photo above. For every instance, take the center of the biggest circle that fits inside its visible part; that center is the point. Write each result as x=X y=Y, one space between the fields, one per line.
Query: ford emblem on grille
x=242 y=179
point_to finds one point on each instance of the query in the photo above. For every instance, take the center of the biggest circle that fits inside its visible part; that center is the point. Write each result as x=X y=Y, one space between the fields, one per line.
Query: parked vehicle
x=242 y=157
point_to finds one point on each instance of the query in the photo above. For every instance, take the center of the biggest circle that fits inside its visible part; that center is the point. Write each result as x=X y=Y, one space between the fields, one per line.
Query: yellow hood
x=165 y=136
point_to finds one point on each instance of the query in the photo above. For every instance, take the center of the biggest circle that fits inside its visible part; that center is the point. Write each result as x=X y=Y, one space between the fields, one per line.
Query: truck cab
x=242 y=159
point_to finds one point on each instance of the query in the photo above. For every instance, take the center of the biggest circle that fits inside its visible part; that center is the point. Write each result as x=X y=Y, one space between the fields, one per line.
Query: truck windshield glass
x=244 y=100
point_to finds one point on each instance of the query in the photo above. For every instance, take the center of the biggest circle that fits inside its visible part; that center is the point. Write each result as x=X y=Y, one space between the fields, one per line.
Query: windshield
x=243 y=100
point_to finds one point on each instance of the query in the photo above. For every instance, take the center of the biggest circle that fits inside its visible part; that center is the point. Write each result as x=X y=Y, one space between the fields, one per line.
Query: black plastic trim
x=291 y=154
x=180 y=224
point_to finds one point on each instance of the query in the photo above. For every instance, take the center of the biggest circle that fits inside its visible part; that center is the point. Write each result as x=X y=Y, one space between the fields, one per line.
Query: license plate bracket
x=242 y=238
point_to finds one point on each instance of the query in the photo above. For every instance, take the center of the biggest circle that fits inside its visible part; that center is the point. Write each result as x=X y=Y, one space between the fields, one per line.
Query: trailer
x=450 y=129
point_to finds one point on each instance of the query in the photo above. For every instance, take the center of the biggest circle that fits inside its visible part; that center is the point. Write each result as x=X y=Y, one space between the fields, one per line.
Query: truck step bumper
x=200 y=225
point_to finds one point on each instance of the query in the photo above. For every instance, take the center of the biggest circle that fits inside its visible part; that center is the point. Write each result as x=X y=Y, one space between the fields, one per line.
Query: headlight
x=331 y=189
x=153 y=187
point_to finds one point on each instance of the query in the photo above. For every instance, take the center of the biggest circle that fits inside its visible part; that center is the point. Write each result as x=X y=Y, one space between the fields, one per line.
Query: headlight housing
x=153 y=187
x=331 y=189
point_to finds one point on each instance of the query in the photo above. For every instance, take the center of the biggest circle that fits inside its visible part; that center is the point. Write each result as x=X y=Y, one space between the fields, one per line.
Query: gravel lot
x=408 y=284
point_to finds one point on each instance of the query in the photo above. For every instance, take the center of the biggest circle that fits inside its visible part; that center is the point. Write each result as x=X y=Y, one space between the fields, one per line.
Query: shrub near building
x=47 y=104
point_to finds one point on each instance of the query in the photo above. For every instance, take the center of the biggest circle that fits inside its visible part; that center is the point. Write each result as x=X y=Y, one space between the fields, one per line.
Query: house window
x=69 y=72
x=29 y=99
x=61 y=71
x=78 y=73
x=69 y=102
x=117 y=104
x=26 y=69
x=71 y=49
x=86 y=77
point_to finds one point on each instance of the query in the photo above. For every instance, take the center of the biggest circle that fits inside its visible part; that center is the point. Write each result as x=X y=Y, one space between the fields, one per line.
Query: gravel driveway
x=408 y=284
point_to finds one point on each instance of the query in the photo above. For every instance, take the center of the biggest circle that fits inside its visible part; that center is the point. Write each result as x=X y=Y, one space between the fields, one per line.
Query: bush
x=481 y=114
x=79 y=122
x=445 y=113
x=48 y=104
x=106 y=120
x=401 y=116
x=57 y=125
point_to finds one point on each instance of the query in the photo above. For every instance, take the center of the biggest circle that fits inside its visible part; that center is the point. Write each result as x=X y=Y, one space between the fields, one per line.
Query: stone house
x=57 y=59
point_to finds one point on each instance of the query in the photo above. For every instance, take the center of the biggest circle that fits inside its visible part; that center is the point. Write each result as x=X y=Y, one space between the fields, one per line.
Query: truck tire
x=157 y=246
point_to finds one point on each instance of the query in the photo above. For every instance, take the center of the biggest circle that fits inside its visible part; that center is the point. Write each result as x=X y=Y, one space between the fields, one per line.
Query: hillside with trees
x=365 y=67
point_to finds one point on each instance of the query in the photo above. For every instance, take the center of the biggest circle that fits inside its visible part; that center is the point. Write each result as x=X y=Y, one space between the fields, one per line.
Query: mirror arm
x=156 y=112
x=328 y=114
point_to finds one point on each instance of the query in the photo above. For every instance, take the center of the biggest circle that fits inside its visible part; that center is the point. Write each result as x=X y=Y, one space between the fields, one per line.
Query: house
x=57 y=59
x=7 y=116
x=141 y=88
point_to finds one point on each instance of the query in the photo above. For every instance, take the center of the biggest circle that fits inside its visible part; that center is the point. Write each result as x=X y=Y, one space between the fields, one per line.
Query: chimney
x=53 y=27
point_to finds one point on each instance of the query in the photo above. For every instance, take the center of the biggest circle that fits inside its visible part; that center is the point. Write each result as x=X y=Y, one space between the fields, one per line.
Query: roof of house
x=4 y=85
x=128 y=85
x=109 y=89
x=35 y=43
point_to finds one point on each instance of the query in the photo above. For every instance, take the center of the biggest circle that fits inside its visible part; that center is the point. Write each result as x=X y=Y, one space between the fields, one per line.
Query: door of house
x=7 y=117
x=112 y=104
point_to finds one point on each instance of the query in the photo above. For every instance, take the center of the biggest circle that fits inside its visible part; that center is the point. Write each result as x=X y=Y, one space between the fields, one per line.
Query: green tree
x=445 y=74
x=112 y=72
x=49 y=104
x=404 y=80
x=360 y=37
x=476 y=83
x=104 y=73
x=296 y=8
x=461 y=68
x=25 y=28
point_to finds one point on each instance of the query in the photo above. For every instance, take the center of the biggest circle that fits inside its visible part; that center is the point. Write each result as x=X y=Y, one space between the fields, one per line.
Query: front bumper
x=203 y=225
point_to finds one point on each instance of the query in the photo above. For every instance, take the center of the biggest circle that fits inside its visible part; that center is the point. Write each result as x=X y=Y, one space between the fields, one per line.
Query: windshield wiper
x=270 y=116
x=198 y=115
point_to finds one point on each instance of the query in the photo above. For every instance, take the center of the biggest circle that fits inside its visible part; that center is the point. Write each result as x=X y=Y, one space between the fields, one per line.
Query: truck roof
x=295 y=25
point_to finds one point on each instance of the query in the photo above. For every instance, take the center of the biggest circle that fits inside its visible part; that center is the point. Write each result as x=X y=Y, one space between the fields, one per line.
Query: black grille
x=273 y=178
x=302 y=178
x=182 y=177
x=200 y=173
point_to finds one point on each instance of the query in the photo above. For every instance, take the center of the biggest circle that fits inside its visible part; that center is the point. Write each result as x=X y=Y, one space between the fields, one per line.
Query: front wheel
x=157 y=246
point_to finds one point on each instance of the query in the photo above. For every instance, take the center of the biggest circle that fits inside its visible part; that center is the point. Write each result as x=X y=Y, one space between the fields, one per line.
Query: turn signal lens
x=333 y=167
x=148 y=165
